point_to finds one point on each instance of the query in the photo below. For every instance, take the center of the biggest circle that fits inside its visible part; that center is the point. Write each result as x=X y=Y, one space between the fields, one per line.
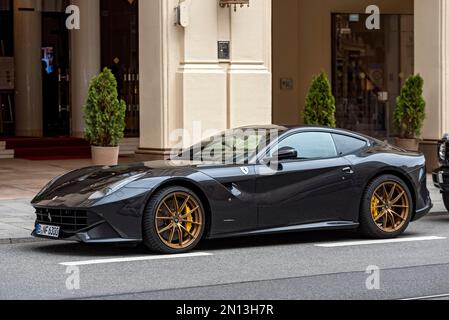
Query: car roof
x=293 y=128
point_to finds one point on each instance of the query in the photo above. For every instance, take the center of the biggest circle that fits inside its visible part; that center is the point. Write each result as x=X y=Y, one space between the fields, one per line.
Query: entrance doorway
x=55 y=75
x=120 y=53
x=369 y=68
x=6 y=69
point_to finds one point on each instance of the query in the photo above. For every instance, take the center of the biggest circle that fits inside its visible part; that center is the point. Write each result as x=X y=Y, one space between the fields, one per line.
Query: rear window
x=347 y=145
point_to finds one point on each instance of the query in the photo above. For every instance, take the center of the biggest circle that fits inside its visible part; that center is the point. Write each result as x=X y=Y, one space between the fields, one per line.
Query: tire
x=377 y=206
x=167 y=227
x=446 y=200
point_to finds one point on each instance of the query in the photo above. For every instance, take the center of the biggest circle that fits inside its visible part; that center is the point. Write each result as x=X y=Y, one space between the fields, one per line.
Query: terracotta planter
x=408 y=144
x=105 y=156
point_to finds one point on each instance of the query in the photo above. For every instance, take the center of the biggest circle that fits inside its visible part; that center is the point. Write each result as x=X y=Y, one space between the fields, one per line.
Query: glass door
x=7 y=94
x=55 y=74
x=120 y=53
x=369 y=68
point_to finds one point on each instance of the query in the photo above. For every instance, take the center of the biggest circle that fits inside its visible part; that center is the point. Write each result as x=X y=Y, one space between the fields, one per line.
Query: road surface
x=317 y=265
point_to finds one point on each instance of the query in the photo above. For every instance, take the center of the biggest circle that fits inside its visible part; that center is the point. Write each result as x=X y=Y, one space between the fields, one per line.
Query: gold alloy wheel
x=179 y=220
x=390 y=207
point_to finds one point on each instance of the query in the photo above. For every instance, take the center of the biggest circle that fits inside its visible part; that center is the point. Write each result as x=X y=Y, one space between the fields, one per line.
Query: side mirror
x=285 y=153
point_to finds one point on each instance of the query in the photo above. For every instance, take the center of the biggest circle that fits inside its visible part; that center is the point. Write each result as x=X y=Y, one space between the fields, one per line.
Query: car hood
x=77 y=187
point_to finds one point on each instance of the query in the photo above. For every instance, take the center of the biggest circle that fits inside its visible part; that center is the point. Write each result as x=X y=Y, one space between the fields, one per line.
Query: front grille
x=68 y=220
x=445 y=178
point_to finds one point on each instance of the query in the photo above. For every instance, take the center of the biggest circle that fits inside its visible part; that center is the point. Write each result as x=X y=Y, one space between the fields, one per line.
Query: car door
x=315 y=187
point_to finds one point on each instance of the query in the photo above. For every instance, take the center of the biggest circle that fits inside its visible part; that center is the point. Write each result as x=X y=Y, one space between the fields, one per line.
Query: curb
x=21 y=240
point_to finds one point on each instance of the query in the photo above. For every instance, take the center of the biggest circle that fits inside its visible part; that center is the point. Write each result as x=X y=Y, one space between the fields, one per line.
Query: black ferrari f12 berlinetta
x=246 y=181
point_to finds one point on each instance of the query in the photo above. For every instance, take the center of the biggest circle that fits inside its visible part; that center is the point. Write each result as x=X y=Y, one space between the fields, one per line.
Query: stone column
x=85 y=59
x=432 y=62
x=153 y=67
x=428 y=61
x=444 y=69
x=182 y=85
x=202 y=80
x=28 y=68
x=250 y=89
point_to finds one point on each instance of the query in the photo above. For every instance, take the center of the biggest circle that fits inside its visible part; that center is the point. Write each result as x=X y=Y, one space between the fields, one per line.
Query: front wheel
x=387 y=208
x=173 y=221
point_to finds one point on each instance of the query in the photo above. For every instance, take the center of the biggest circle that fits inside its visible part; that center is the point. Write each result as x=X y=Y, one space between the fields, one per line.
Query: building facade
x=219 y=67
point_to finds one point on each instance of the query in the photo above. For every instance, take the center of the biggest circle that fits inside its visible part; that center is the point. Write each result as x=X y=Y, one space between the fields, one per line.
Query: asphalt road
x=318 y=265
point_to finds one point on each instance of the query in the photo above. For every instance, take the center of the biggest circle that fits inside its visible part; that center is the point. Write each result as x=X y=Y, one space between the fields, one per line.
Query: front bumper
x=98 y=234
x=115 y=221
x=440 y=179
x=421 y=213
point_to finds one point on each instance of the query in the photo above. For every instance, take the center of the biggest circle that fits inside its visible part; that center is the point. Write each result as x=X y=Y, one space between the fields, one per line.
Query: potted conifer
x=410 y=113
x=320 y=106
x=104 y=116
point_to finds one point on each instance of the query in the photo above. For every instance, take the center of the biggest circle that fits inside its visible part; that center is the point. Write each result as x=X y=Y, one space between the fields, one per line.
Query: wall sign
x=287 y=84
x=224 y=50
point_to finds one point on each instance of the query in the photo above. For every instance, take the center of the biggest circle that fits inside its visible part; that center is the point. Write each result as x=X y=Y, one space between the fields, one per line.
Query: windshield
x=231 y=147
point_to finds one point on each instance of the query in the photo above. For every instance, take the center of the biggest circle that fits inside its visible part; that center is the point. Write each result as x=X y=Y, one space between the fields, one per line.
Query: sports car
x=244 y=182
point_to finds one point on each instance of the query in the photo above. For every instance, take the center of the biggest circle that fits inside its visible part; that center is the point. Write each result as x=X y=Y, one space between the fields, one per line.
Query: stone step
x=129 y=146
x=6 y=154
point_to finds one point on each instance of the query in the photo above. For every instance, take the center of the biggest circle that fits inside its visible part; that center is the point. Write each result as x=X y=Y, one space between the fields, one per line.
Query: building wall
x=430 y=62
x=302 y=46
x=183 y=83
x=185 y=86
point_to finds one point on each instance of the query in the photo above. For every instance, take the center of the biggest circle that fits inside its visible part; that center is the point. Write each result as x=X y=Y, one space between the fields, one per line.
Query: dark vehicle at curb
x=441 y=175
x=300 y=179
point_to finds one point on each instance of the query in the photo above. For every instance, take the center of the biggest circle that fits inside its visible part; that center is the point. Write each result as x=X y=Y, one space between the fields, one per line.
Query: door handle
x=348 y=170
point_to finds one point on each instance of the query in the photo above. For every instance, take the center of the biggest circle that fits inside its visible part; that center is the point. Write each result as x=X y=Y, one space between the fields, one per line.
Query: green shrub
x=104 y=114
x=320 y=103
x=410 y=111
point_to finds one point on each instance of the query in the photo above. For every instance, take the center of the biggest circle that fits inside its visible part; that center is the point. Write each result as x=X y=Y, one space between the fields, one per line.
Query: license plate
x=440 y=178
x=47 y=231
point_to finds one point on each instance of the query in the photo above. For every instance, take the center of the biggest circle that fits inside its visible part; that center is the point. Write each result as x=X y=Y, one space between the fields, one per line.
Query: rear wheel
x=386 y=209
x=174 y=221
x=446 y=200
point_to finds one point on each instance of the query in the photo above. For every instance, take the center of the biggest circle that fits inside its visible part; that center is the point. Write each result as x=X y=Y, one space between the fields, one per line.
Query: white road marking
x=134 y=259
x=376 y=242
x=428 y=297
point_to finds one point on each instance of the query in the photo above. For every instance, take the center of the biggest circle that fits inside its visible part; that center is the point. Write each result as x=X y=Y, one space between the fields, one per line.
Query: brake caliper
x=374 y=207
x=189 y=219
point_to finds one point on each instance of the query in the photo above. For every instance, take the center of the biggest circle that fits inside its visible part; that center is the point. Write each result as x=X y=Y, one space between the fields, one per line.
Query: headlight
x=443 y=151
x=114 y=187
x=48 y=185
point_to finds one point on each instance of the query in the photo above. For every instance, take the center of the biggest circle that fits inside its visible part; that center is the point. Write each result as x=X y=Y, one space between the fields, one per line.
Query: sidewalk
x=21 y=180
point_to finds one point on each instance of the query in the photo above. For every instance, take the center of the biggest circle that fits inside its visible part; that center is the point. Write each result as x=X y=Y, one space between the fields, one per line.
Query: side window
x=347 y=145
x=310 y=145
